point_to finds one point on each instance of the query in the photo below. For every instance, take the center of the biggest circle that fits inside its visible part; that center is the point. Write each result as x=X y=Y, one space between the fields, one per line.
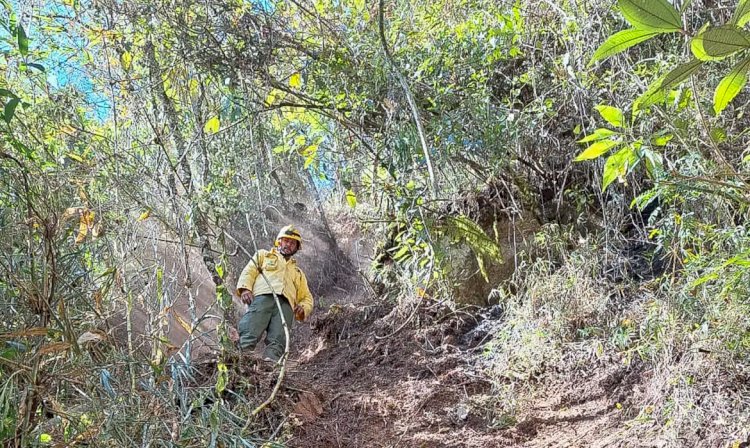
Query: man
x=270 y=272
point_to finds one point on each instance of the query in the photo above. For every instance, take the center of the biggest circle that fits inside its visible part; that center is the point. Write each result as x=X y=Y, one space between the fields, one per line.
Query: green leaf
x=10 y=109
x=8 y=93
x=718 y=135
x=598 y=134
x=618 y=165
x=351 y=198
x=23 y=41
x=295 y=80
x=212 y=125
x=741 y=14
x=717 y=43
x=651 y=15
x=222 y=379
x=621 y=41
x=661 y=140
x=597 y=149
x=45 y=438
x=39 y=67
x=126 y=59
x=731 y=85
x=655 y=92
x=612 y=114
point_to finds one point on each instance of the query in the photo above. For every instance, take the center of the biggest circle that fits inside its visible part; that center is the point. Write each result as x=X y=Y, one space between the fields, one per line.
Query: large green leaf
x=651 y=15
x=621 y=41
x=731 y=85
x=10 y=109
x=656 y=90
x=741 y=14
x=720 y=42
x=23 y=41
x=618 y=165
x=599 y=134
x=613 y=115
x=597 y=149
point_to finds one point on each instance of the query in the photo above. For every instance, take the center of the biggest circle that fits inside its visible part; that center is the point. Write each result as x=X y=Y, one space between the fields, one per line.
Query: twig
x=411 y=316
x=409 y=97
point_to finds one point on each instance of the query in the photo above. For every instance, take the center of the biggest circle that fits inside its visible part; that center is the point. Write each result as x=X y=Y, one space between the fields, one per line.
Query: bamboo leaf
x=597 y=149
x=613 y=115
x=463 y=228
x=719 y=42
x=10 y=109
x=621 y=41
x=651 y=15
x=731 y=85
x=23 y=41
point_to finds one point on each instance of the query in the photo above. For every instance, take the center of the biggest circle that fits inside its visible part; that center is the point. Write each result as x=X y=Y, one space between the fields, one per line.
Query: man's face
x=288 y=246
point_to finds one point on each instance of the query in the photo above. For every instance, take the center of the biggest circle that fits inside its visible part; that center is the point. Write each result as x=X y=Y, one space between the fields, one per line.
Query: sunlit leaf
x=126 y=59
x=75 y=157
x=223 y=377
x=741 y=14
x=618 y=165
x=86 y=221
x=597 y=149
x=144 y=215
x=598 y=134
x=184 y=324
x=212 y=125
x=351 y=198
x=656 y=91
x=295 y=80
x=731 y=85
x=662 y=140
x=719 y=42
x=620 y=42
x=613 y=115
x=651 y=15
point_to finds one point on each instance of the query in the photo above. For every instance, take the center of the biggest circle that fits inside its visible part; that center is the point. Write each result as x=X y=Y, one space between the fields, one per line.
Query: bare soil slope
x=423 y=387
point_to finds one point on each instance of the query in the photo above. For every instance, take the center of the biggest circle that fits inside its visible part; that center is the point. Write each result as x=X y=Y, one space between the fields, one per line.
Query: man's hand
x=299 y=313
x=247 y=297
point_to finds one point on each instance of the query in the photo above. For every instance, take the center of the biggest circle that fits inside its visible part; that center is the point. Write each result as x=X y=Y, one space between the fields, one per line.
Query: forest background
x=566 y=181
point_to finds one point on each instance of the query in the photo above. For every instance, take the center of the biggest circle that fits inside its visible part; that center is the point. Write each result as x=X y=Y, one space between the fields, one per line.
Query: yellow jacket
x=285 y=278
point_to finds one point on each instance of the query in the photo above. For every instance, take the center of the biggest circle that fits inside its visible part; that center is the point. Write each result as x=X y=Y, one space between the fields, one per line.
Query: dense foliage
x=466 y=136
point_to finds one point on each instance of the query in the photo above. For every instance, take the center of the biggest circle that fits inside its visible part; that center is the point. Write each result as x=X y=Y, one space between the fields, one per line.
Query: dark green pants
x=263 y=315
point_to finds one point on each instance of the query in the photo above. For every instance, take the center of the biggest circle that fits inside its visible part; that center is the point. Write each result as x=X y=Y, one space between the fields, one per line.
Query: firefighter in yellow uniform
x=280 y=275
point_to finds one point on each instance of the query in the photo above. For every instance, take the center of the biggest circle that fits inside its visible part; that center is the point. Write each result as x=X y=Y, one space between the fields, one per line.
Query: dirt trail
x=423 y=387
x=352 y=382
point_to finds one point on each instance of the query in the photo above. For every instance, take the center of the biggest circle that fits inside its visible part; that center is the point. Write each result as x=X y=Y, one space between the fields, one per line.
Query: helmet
x=290 y=232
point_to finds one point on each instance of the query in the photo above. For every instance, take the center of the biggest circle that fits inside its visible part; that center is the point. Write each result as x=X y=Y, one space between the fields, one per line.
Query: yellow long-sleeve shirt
x=284 y=277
